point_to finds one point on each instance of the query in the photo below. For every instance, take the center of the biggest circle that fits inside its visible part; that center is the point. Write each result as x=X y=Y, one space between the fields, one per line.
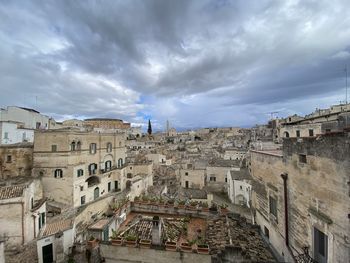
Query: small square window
x=311 y=132
x=81 y=188
x=302 y=158
x=298 y=133
x=8 y=158
x=186 y=173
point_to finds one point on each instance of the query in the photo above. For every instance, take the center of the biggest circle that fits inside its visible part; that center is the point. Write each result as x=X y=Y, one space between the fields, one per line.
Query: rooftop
x=13 y=191
x=57 y=226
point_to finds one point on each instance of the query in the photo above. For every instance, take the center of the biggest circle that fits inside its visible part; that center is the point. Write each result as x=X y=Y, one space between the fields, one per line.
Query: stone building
x=30 y=118
x=77 y=167
x=16 y=160
x=301 y=197
x=106 y=123
x=192 y=178
x=22 y=211
x=239 y=187
x=13 y=132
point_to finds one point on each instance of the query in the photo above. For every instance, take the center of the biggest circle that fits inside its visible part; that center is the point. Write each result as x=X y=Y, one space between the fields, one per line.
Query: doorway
x=47 y=253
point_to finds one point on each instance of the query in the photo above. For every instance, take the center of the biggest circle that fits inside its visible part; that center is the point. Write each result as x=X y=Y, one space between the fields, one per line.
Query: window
x=108 y=165
x=81 y=188
x=32 y=203
x=92 y=168
x=53 y=148
x=129 y=175
x=286 y=134
x=72 y=146
x=186 y=173
x=311 y=132
x=6 y=135
x=320 y=246
x=78 y=146
x=241 y=187
x=82 y=200
x=38 y=124
x=120 y=163
x=109 y=186
x=109 y=147
x=273 y=206
x=266 y=232
x=58 y=173
x=212 y=179
x=24 y=137
x=298 y=133
x=80 y=172
x=41 y=220
x=302 y=158
x=92 y=148
x=8 y=158
x=225 y=179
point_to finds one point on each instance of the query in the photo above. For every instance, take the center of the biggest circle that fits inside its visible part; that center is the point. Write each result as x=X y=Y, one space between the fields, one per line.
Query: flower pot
x=223 y=211
x=130 y=243
x=117 y=241
x=170 y=246
x=185 y=247
x=205 y=209
x=145 y=243
x=203 y=249
x=181 y=206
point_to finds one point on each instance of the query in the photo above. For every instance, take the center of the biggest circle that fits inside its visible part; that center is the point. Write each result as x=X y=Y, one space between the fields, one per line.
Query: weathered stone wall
x=318 y=193
x=21 y=160
x=117 y=254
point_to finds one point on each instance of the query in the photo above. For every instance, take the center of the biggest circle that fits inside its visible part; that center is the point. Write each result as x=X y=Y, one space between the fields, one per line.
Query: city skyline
x=196 y=63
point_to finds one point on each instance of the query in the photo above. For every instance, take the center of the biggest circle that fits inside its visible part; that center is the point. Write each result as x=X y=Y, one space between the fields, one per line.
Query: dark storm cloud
x=99 y=58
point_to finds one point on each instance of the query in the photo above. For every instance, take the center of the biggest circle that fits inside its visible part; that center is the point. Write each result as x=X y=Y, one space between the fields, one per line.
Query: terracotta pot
x=205 y=209
x=130 y=243
x=170 y=246
x=185 y=247
x=117 y=242
x=145 y=243
x=203 y=249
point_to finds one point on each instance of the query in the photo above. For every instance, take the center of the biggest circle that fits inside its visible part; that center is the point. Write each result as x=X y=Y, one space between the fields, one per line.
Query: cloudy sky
x=197 y=63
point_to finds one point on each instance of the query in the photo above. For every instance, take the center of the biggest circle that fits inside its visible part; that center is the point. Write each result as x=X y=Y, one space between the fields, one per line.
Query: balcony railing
x=304 y=257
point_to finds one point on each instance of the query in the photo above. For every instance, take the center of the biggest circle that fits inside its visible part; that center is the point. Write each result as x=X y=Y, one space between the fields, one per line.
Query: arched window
x=92 y=168
x=120 y=163
x=80 y=172
x=72 y=146
x=78 y=146
x=58 y=173
x=286 y=134
x=109 y=147
x=108 y=165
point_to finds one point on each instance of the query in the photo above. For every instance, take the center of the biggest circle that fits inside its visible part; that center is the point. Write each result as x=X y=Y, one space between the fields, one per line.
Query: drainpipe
x=285 y=177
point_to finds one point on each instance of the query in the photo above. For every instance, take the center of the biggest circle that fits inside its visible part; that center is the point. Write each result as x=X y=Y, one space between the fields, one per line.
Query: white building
x=11 y=133
x=239 y=187
x=30 y=118
x=22 y=211
x=56 y=241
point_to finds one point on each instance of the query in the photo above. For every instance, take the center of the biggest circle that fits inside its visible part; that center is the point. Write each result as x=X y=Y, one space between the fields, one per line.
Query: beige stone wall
x=114 y=254
x=107 y=124
x=70 y=187
x=21 y=161
x=318 y=194
x=195 y=178
x=303 y=128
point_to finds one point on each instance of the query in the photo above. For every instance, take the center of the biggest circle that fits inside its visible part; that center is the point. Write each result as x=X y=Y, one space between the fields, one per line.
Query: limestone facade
x=77 y=167
x=318 y=200
x=16 y=160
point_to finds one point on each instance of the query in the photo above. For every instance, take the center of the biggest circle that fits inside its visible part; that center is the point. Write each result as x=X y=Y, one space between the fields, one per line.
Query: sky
x=196 y=63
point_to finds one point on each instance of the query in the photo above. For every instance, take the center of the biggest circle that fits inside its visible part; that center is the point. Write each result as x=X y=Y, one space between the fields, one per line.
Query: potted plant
x=193 y=205
x=145 y=199
x=170 y=203
x=131 y=240
x=145 y=243
x=186 y=247
x=223 y=209
x=116 y=239
x=137 y=200
x=92 y=242
x=181 y=204
x=205 y=207
x=203 y=248
x=170 y=246
x=213 y=208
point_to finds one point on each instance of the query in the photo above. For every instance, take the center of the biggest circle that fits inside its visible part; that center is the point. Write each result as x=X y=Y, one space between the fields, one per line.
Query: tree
x=149 y=130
